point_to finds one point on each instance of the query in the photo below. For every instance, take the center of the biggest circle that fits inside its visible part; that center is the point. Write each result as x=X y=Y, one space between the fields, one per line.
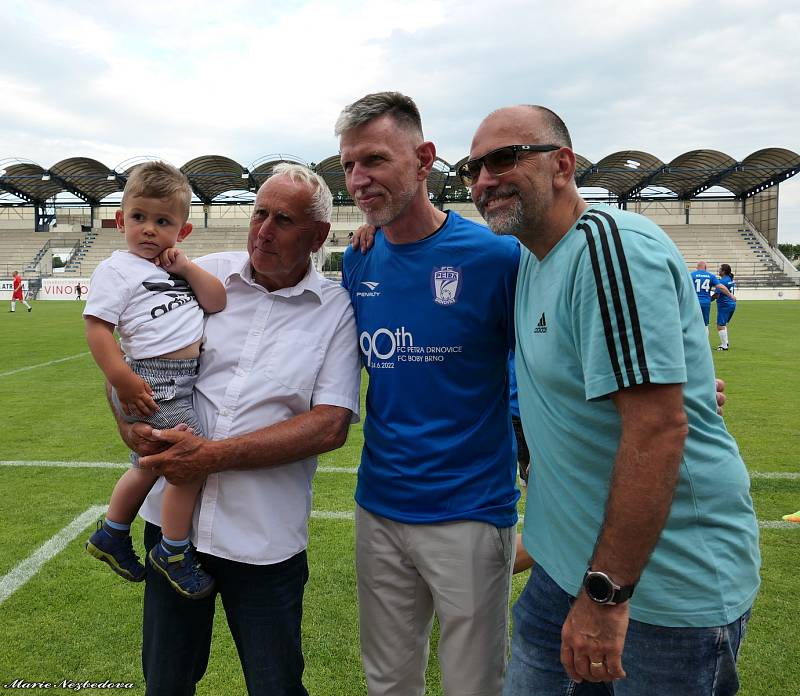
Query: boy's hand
x=172 y=260
x=136 y=397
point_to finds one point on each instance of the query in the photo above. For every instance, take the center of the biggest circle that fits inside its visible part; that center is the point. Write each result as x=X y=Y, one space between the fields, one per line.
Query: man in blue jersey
x=638 y=512
x=436 y=497
x=706 y=283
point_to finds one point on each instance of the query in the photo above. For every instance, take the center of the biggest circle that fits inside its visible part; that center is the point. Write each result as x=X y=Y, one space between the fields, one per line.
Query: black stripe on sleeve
x=603 y=302
x=622 y=325
x=633 y=312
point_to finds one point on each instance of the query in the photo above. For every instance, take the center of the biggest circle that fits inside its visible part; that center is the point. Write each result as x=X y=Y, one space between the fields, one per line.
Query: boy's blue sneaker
x=117 y=552
x=183 y=571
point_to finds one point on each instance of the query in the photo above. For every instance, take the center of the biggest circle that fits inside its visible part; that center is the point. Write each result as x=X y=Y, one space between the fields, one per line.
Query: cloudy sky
x=185 y=78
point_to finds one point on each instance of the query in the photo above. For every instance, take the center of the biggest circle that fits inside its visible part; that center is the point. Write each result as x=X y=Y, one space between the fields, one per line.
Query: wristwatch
x=603 y=590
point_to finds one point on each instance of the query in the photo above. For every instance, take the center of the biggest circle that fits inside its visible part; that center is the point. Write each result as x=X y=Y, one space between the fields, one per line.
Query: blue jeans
x=657 y=659
x=263 y=606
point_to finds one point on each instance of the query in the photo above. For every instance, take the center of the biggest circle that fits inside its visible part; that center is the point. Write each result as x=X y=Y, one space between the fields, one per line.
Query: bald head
x=701 y=265
x=534 y=196
x=528 y=123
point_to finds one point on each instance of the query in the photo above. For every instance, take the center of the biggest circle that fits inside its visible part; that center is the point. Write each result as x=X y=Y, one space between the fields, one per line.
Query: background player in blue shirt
x=726 y=304
x=705 y=283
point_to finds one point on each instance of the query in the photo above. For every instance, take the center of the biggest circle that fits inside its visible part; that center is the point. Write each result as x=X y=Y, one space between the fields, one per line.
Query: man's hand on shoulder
x=363 y=238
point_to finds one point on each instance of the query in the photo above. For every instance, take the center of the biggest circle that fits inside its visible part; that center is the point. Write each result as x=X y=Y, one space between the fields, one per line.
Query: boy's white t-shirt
x=155 y=313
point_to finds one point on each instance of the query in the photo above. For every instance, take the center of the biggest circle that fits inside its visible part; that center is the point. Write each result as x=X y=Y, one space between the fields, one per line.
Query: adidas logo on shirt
x=541 y=327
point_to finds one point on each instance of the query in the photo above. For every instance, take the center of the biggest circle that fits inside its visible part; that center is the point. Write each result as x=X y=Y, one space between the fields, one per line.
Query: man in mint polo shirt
x=639 y=515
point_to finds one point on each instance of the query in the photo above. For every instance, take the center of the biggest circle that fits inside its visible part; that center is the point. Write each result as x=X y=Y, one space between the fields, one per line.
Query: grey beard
x=508 y=221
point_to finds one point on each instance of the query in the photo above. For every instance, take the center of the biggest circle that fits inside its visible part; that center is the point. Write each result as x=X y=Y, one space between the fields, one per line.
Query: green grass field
x=74 y=620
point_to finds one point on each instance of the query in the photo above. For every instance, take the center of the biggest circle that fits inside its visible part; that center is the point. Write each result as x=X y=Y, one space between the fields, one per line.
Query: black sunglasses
x=498 y=162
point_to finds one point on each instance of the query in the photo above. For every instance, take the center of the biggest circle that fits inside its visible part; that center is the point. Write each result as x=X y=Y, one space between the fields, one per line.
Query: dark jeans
x=263 y=606
x=658 y=660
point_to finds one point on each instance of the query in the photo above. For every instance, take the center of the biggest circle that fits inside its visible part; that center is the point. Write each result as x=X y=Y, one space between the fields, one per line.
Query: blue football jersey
x=435 y=322
x=724 y=300
x=704 y=283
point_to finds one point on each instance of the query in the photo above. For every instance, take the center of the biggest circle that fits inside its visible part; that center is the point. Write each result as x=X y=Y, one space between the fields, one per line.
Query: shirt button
x=225 y=412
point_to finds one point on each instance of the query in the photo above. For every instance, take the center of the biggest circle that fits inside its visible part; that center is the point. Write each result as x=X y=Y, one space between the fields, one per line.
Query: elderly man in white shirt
x=278 y=384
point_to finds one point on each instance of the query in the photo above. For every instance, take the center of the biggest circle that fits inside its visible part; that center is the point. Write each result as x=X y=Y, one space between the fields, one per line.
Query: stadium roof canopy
x=627 y=174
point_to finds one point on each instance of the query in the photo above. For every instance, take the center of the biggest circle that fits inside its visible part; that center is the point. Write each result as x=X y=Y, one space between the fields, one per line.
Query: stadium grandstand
x=57 y=224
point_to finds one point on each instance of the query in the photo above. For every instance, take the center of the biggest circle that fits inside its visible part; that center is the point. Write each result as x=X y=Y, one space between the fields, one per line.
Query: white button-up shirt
x=268 y=356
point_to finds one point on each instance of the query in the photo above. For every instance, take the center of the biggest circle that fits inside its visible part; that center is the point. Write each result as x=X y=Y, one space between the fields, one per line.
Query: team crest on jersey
x=446 y=284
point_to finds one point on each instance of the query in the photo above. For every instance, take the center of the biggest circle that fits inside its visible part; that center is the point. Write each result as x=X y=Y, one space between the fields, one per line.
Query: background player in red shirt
x=16 y=293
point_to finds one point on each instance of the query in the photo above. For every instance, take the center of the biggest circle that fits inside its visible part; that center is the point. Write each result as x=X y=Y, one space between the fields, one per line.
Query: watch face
x=598 y=587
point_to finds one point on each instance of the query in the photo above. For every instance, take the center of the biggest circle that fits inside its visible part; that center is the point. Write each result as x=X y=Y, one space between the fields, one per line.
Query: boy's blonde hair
x=158 y=180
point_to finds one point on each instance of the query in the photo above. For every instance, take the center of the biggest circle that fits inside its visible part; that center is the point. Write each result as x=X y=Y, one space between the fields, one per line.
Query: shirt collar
x=311 y=282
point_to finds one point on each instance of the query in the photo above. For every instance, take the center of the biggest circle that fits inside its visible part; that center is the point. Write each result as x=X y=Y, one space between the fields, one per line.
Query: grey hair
x=321 y=198
x=400 y=107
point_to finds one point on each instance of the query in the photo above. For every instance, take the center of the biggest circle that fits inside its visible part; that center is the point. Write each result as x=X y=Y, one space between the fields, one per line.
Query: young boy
x=155 y=298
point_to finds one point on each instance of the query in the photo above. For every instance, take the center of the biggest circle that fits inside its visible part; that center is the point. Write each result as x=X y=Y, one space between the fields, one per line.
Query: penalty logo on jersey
x=446 y=284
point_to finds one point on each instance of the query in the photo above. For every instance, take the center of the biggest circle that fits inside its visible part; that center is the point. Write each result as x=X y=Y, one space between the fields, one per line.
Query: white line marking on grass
x=763 y=524
x=124 y=465
x=23 y=572
x=788 y=475
x=777 y=524
x=69 y=465
x=44 y=364
x=332 y=515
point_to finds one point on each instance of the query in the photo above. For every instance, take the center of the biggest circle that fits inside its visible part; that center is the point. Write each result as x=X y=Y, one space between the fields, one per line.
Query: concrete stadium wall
x=700 y=212
x=790 y=293
x=762 y=211
x=64 y=289
x=17 y=218
x=663 y=212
